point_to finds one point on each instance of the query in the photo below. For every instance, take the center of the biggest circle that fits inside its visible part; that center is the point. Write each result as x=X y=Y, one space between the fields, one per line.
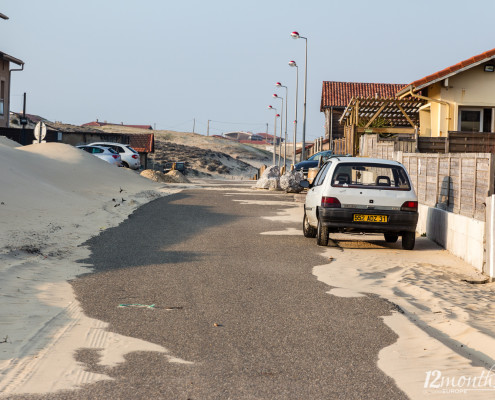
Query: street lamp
x=295 y=35
x=293 y=64
x=278 y=84
x=275 y=96
x=274 y=134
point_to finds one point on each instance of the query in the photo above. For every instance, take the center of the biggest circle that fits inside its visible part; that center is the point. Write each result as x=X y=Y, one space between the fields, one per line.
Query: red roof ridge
x=453 y=69
x=99 y=123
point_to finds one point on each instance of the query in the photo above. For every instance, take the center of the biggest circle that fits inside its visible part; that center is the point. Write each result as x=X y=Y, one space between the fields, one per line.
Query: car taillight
x=134 y=156
x=115 y=156
x=409 y=206
x=330 y=202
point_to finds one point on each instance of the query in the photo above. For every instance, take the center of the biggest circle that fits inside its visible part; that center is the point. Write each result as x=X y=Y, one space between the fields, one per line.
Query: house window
x=473 y=119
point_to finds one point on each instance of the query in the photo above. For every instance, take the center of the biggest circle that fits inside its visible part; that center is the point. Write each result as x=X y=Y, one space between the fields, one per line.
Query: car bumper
x=341 y=219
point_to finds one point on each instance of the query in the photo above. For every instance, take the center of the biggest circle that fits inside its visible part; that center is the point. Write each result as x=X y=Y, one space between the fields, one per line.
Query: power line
x=238 y=123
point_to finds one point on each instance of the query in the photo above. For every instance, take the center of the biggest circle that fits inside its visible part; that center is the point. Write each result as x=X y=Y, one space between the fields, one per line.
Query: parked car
x=105 y=153
x=130 y=157
x=313 y=161
x=352 y=194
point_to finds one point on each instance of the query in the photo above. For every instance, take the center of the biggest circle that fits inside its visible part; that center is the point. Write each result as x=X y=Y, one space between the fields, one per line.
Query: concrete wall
x=489 y=268
x=460 y=235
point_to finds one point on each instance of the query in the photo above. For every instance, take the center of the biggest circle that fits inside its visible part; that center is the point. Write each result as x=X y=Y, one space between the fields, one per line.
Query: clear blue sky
x=166 y=62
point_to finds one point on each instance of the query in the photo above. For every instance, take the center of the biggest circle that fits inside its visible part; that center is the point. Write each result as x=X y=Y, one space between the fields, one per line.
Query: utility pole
x=194 y=124
x=208 y=129
x=24 y=121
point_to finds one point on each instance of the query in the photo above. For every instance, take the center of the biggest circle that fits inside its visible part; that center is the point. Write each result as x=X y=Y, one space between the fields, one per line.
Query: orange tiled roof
x=470 y=62
x=142 y=142
x=338 y=94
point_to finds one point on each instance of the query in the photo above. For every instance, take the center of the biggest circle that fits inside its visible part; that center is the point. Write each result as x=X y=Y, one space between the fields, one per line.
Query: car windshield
x=370 y=176
x=317 y=156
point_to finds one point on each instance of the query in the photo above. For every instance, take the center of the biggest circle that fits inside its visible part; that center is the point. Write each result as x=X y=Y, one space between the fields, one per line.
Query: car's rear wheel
x=125 y=165
x=321 y=234
x=408 y=240
x=308 y=230
x=391 y=237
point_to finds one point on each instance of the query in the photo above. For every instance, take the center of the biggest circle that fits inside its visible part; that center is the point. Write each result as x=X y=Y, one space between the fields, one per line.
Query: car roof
x=93 y=145
x=109 y=143
x=346 y=159
x=324 y=151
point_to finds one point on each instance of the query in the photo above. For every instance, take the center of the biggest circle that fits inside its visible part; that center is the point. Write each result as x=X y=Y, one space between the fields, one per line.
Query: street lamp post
x=275 y=96
x=296 y=35
x=278 y=84
x=274 y=135
x=293 y=64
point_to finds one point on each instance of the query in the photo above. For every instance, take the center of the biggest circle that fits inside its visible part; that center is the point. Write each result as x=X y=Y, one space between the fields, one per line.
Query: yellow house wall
x=473 y=87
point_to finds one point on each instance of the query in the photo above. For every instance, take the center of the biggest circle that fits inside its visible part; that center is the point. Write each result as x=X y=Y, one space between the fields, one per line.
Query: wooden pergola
x=379 y=115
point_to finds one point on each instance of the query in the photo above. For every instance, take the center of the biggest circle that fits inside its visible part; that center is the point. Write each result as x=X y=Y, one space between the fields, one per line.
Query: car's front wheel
x=321 y=234
x=408 y=240
x=391 y=237
x=308 y=230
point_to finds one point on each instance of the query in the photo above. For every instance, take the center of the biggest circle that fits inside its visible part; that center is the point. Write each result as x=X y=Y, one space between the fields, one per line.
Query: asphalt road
x=250 y=316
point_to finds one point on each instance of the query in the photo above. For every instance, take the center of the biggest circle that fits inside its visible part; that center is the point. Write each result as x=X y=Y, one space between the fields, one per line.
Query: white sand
x=54 y=197
x=448 y=324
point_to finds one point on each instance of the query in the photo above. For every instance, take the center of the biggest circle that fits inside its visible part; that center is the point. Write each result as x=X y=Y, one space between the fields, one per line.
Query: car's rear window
x=131 y=149
x=370 y=176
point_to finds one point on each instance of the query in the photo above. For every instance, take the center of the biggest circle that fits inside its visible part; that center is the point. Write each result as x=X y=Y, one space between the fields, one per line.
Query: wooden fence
x=456 y=182
x=376 y=147
x=459 y=183
x=454 y=142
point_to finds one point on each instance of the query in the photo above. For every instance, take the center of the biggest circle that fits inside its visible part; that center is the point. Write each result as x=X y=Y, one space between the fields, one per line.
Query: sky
x=178 y=64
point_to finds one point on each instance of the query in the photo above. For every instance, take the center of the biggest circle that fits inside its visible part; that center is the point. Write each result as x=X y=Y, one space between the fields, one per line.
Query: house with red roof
x=99 y=123
x=335 y=97
x=458 y=98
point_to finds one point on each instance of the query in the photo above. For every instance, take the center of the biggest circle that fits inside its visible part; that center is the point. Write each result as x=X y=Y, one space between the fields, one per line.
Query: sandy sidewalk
x=446 y=324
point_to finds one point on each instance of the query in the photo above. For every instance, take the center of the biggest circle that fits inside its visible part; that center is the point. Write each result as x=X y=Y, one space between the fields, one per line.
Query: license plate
x=370 y=218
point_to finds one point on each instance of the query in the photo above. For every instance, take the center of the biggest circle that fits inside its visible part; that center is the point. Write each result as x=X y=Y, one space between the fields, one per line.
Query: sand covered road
x=53 y=198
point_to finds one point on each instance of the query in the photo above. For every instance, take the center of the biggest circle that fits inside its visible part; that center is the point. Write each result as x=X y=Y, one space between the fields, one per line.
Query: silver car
x=130 y=157
x=104 y=153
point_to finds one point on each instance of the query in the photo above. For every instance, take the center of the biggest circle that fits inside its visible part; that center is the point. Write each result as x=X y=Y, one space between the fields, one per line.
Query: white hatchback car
x=352 y=194
x=130 y=157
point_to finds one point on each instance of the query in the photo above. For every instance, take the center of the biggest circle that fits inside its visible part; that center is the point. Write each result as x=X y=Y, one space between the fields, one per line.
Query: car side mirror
x=305 y=184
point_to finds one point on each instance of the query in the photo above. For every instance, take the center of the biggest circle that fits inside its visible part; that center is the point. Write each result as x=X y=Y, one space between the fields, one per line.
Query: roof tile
x=142 y=142
x=338 y=94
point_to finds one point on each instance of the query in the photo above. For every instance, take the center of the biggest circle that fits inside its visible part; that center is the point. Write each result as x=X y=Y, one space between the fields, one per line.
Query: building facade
x=5 y=78
x=459 y=98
